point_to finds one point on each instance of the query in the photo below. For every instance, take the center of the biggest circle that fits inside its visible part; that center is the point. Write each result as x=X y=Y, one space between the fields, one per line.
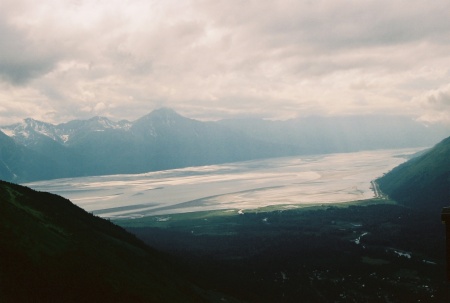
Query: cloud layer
x=61 y=60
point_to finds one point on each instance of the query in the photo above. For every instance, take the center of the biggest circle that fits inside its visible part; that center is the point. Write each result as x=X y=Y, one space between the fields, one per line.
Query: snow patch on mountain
x=29 y=130
x=65 y=138
x=7 y=132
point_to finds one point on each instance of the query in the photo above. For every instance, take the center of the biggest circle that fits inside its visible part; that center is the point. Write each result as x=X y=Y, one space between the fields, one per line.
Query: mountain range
x=35 y=150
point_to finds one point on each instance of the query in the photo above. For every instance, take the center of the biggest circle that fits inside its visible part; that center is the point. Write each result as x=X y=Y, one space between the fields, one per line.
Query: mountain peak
x=164 y=112
x=99 y=118
x=30 y=120
x=163 y=115
x=160 y=119
x=100 y=121
x=28 y=129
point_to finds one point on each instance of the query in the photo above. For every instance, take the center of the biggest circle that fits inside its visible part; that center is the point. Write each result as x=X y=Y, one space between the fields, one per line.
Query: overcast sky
x=212 y=59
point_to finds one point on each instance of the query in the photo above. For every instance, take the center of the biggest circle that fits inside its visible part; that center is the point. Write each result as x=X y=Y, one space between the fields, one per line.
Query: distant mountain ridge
x=160 y=140
x=343 y=134
x=36 y=150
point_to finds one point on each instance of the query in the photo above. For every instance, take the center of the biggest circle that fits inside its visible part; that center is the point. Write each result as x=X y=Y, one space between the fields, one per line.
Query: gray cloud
x=435 y=105
x=213 y=59
x=21 y=59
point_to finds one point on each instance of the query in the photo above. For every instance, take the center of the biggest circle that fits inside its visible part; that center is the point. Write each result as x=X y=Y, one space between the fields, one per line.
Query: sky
x=214 y=59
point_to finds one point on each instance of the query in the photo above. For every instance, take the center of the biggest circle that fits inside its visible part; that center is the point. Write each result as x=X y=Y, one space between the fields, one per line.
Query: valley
x=284 y=182
x=310 y=229
x=364 y=251
x=224 y=151
x=319 y=228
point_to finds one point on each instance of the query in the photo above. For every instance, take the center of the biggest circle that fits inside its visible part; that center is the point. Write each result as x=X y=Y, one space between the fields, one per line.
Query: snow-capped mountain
x=30 y=130
x=163 y=139
x=160 y=140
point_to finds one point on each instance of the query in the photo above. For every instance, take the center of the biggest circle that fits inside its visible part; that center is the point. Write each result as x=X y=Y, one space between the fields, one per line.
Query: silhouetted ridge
x=53 y=251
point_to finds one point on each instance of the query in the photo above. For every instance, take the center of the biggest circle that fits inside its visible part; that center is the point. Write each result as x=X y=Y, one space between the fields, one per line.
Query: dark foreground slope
x=53 y=251
x=422 y=182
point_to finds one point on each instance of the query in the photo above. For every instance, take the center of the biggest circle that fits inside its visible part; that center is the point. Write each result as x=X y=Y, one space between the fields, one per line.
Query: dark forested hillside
x=423 y=181
x=53 y=251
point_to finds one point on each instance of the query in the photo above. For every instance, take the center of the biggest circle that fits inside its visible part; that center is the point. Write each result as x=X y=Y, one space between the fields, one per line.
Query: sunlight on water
x=242 y=185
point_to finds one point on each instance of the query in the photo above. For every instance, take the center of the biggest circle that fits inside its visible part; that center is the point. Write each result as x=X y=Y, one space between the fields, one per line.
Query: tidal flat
x=289 y=181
